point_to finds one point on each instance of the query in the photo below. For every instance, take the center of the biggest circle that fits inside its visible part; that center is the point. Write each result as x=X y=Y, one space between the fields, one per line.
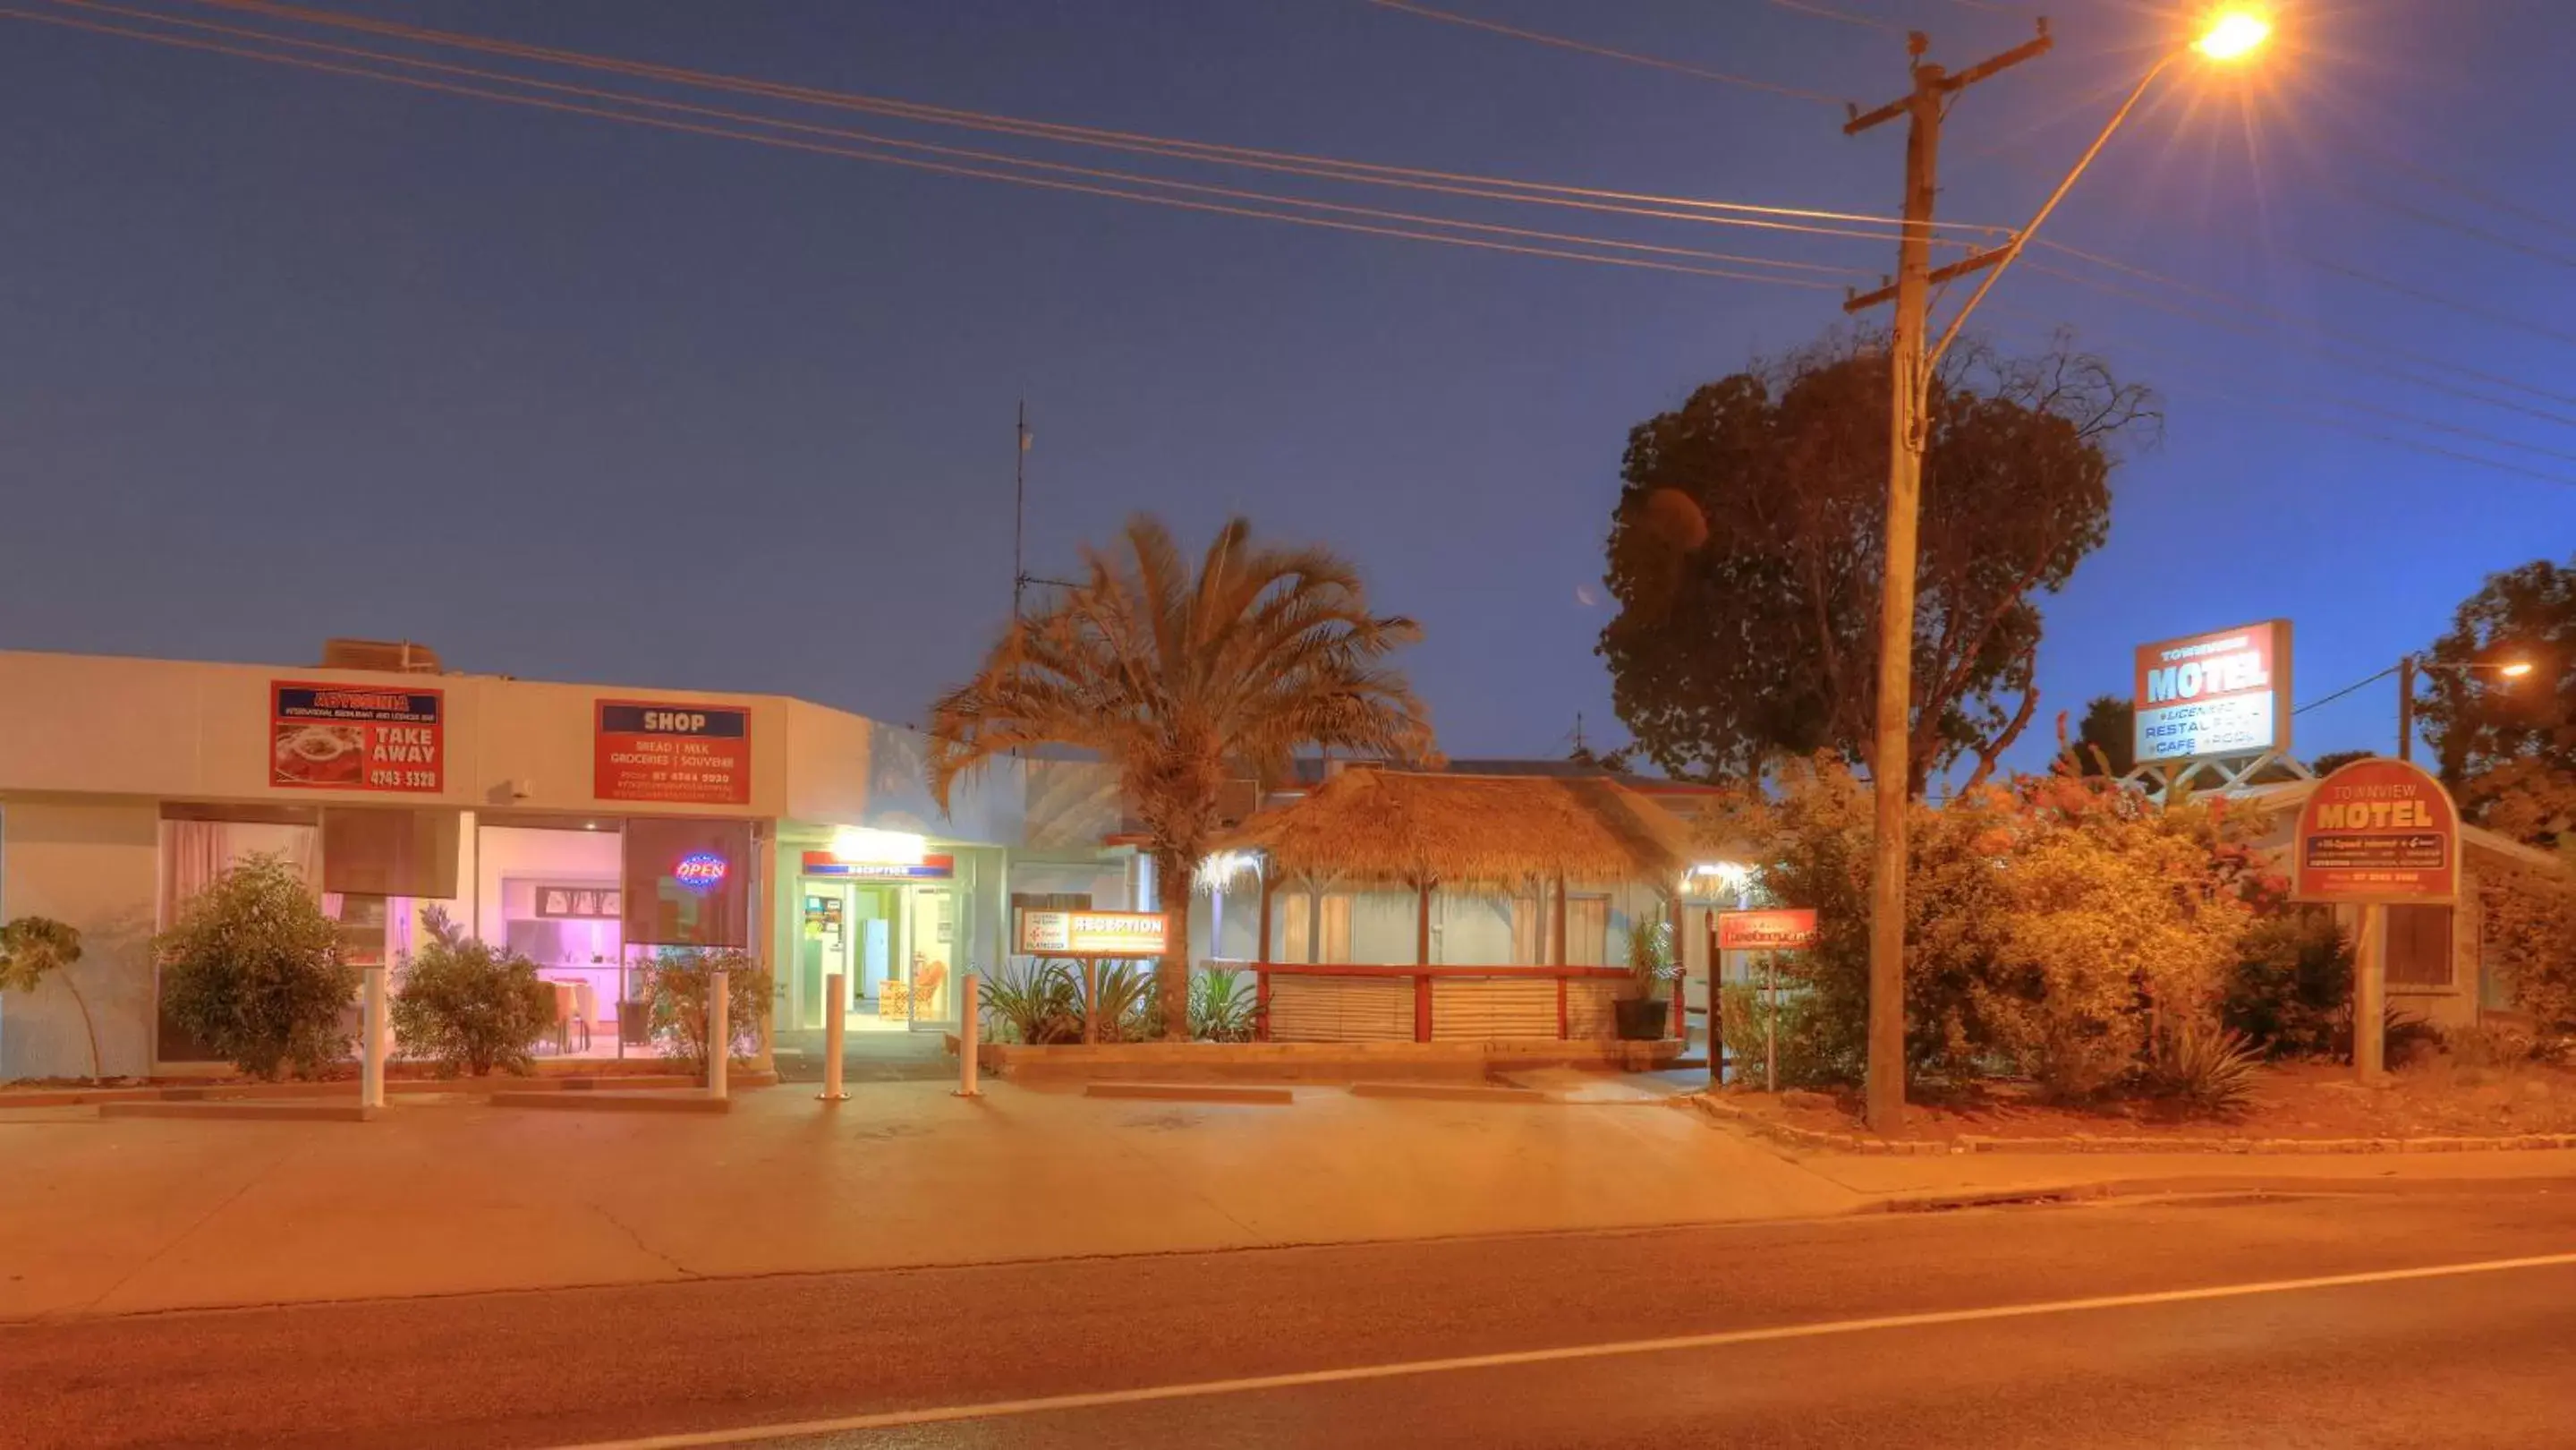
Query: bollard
x=371 y=1070
x=719 y=1034
x=835 y=995
x=970 y=1019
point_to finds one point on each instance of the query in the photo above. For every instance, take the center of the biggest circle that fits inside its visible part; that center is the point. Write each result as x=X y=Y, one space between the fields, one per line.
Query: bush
x=1220 y=1009
x=468 y=1007
x=2208 y=1069
x=2290 y=992
x=2531 y=935
x=1037 y=1003
x=678 y=984
x=1812 y=1054
x=1123 y=1005
x=253 y=970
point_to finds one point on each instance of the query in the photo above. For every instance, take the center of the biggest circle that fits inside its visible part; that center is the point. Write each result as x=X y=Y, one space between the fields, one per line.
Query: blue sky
x=293 y=354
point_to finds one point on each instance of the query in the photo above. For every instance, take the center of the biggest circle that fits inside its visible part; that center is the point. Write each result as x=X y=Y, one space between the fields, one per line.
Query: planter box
x=1330 y=1062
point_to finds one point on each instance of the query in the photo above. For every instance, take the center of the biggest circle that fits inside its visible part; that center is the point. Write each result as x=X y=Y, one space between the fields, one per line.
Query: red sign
x=357 y=737
x=690 y=755
x=1790 y=929
x=935 y=866
x=2377 y=831
x=2223 y=693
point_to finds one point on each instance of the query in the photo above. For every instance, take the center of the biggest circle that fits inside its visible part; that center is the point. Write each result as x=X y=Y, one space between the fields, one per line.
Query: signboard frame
x=2406 y=787
x=1794 y=926
x=662 y=752
x=314 y=724
x=2270 y=639
x=1797 y=931
x=1088 y=934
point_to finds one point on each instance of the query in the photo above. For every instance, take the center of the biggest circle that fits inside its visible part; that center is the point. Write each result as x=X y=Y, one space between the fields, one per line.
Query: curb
x=1868 y=1146
x=691 y=1101
x=1190 y=1092
x=1449 y=1092
x=343 y=1087
x=290 y=1112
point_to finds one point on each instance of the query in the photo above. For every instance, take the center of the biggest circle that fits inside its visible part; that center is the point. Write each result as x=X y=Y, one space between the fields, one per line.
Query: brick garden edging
x=1811 y=1138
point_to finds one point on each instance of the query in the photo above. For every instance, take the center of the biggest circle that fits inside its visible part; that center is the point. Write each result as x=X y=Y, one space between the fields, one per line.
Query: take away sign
x=2378 y=832
x=1090 y=933
x=1789 y=929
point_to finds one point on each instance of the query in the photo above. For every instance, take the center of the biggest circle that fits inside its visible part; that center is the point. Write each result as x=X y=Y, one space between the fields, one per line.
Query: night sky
x=287 y=354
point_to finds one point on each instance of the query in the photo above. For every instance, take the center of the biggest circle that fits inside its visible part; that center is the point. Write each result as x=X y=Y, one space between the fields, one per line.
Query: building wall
x=95 y=867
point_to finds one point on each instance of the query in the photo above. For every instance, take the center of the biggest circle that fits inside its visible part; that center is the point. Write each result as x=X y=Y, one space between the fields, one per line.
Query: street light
x=2228 y=37
x=2406 y=668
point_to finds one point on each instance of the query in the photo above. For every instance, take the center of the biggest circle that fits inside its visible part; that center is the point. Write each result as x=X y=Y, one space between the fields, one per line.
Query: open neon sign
x=701 y=871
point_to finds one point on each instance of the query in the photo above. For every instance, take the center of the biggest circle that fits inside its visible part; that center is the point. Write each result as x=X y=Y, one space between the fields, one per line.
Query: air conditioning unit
x=392 y=656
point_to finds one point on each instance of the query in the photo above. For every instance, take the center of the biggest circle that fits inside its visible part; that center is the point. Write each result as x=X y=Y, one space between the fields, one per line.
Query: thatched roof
x=1392 y=827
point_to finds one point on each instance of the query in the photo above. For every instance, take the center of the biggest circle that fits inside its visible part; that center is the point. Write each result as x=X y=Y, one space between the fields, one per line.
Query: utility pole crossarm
x=1862 y=302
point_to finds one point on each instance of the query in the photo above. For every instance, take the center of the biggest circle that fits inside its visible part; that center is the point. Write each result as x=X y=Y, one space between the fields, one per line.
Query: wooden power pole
x=1890 y=765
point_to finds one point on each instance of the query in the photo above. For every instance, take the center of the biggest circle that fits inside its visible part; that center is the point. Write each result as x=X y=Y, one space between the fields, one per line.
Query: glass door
x=935 y=939
x=822 y=947
x=880 y=995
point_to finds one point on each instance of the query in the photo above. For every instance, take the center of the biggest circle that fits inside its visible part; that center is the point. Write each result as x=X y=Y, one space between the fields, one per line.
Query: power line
x=1587 y=48
x=2421 y=294
x=1808 y=7
x=1301 y=163
x=917 y=163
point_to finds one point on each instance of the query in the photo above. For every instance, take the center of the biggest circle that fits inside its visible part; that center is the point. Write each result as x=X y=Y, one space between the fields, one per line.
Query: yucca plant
x=2208 y=1069
x=1036 y=1003
x=1120 y=1003
x=1220 y=1010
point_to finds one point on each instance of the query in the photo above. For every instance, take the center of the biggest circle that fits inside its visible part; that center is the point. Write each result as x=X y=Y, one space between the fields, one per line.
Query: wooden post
x=1422 y=958
x=2370 y=994
x=1091 y=999
x=1260 y=959
x=1556 y=928
x=1261 y=953
x=1563 y=1018
x=1676 y=914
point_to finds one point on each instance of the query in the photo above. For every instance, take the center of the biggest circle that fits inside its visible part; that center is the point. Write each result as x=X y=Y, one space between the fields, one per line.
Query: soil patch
x=2293 y=1100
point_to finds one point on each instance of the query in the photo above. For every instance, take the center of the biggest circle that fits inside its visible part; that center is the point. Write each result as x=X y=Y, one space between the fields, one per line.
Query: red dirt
x=2293 y=1100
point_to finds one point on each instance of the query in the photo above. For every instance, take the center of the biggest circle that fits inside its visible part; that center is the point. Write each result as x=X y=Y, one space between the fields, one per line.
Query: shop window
x=2419 y=946
x=555 y=895
x=197 y=846
x=688 y=883
x=1298 y=915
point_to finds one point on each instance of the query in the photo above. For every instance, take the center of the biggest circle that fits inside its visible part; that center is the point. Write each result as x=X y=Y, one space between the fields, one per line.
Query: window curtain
x=1295 y=916
x=1529 y=931
x=1587 y=931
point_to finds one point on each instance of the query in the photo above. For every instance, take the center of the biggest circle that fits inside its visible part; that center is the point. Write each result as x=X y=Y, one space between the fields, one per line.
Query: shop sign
x=356 y=737
x=1090 y=933
x=1790 y=929
x=579 y=903
x=933 y=867
x=2378 y=832
x=672 y=754
x=2224 y=693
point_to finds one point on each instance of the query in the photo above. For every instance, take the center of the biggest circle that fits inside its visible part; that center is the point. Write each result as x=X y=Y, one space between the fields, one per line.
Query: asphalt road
x=1788 y=1344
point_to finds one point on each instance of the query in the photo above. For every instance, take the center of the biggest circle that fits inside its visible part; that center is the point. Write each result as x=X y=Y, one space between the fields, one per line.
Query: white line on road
x=1048 y=1404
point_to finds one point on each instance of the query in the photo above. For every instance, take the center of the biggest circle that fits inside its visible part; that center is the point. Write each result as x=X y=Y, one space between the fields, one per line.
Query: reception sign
x=2224 y=693
x=1788 y=930
x=1090 y=933
x=357 y=737
x=933 y=866
x=690 y=755
x=2378 y=832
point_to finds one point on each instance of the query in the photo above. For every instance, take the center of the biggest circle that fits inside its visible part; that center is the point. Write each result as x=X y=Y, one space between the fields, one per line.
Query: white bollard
x=719 y=1034
x=835 y=996
x=969 y=1021
x=371 y=1056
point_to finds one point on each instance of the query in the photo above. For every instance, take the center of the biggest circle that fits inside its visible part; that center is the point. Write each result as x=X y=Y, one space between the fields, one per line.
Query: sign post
x=1770 y=932
x=1087 y=937
x=2376 y=834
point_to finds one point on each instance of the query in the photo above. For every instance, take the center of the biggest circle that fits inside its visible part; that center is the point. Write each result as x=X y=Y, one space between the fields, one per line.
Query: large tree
x=1746 y=548
x=1183 y=679
x=2507 y=745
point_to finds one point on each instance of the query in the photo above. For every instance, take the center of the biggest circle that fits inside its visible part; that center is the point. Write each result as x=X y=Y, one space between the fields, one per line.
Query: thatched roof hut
x=1386 y=828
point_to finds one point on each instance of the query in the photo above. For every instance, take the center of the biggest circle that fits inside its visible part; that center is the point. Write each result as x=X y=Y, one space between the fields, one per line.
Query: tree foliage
x=2334 y=760
x=2507 y=746
x=2105 y=742
x=1746 y=553
x=468 y=1006
x=33 y=948
x=1182 y=678
x=678 y=986
x=253 y=970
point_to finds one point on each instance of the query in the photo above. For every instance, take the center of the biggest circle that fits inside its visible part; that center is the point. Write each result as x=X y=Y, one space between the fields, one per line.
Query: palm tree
x=1181 y=682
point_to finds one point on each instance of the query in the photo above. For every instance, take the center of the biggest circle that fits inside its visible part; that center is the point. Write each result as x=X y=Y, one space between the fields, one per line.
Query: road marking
x=1049 y=1404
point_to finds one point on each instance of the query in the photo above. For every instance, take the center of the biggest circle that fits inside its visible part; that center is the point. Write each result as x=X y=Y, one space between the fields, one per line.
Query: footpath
x=445 y=1194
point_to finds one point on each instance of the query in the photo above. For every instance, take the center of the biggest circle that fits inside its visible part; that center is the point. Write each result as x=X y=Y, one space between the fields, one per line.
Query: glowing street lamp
x=2406 y=668
x=2233 y=34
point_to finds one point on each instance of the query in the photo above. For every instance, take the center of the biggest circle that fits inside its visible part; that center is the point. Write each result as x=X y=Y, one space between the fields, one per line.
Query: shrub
x=253 y=970
x=2290 y=990
x=33 y=948
x=1220 y=1009
x=2489 y=1046
x=468 y=1007
x=679 y=983
x=1121 y=1006
x=1036 y=1003
x=2530 y=929
x=2209 y=1069
x=1812 y=1053
x=1650 y=957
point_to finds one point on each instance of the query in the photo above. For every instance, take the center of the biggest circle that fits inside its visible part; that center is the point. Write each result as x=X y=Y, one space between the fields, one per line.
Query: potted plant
x=1642 y=1018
